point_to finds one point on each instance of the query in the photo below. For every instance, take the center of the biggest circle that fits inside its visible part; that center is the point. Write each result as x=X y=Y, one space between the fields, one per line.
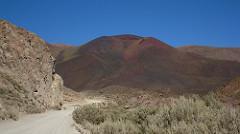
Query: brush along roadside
x=181 y=115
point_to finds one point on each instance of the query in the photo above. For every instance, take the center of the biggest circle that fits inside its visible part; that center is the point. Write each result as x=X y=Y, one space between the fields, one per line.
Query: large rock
x=57 y=88
x=28 y=82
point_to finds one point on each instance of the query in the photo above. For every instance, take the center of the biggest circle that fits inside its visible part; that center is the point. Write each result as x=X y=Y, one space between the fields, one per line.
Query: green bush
x=192 y=115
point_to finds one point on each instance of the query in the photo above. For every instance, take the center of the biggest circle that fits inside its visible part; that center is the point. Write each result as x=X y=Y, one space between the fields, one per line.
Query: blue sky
x=177 y=22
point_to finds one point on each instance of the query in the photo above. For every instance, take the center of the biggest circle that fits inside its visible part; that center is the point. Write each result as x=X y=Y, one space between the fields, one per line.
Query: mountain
x=141 y=62
x=28 y=82
x=231 y=54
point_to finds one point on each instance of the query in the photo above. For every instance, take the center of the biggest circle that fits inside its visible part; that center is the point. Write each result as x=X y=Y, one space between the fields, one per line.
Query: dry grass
x=90 y=113
x=183 y=115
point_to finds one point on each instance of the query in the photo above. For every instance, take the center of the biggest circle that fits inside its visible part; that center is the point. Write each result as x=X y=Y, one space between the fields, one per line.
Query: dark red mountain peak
x=150 y=41
x=127 y=37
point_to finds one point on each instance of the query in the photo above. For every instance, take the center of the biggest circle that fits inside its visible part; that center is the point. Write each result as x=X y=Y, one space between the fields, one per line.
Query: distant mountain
x=231 y=54
x=141 y=62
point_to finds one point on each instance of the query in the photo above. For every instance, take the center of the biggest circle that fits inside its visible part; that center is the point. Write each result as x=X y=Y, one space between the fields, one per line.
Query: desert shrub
x=212 y=101
x=191 y=115
x=140 y=115
x=116 y=113
x=114 y=127
x=89 y=113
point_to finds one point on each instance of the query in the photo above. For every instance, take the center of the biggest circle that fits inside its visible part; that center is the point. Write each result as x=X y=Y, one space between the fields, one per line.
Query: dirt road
x=51 y=122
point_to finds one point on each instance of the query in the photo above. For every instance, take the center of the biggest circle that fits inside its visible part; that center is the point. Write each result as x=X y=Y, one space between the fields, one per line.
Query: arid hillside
x=28 y=82
x=231 y=54
x=230 y=92
x=141 y=62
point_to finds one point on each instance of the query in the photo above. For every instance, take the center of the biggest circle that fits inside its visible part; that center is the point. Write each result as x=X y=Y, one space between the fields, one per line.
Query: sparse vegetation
x=90 y=113
x=183 y=115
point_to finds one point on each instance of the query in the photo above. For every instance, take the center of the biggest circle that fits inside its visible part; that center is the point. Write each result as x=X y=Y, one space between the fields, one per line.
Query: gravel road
x=51 y=122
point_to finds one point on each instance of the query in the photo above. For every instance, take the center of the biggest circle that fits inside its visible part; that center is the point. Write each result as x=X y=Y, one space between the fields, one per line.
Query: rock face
x=28 y=82
x=57 y=88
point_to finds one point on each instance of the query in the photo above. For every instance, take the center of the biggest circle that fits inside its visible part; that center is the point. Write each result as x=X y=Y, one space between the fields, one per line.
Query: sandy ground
x=51 y=122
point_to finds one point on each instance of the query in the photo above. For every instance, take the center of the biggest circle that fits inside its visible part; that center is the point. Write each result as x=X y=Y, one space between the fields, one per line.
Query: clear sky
x=176 y=22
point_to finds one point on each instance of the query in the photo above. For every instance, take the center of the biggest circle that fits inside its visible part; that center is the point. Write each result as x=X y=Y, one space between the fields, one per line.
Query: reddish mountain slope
x=231 y=54
x=62 y=52
x=231 y=91
x=134 y=61
x=56 y=49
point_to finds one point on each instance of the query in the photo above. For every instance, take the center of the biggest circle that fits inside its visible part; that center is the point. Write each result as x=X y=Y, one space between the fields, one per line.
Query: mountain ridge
x=231 y=54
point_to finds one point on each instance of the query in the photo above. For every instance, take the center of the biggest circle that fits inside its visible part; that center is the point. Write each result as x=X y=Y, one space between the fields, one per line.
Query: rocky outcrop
x=57 y=89
x=28 y=82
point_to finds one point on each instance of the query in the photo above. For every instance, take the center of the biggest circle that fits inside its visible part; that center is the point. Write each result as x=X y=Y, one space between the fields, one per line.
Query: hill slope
x=62 y=52
x=133 y=61
x=230 y=92
x=231 y=54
